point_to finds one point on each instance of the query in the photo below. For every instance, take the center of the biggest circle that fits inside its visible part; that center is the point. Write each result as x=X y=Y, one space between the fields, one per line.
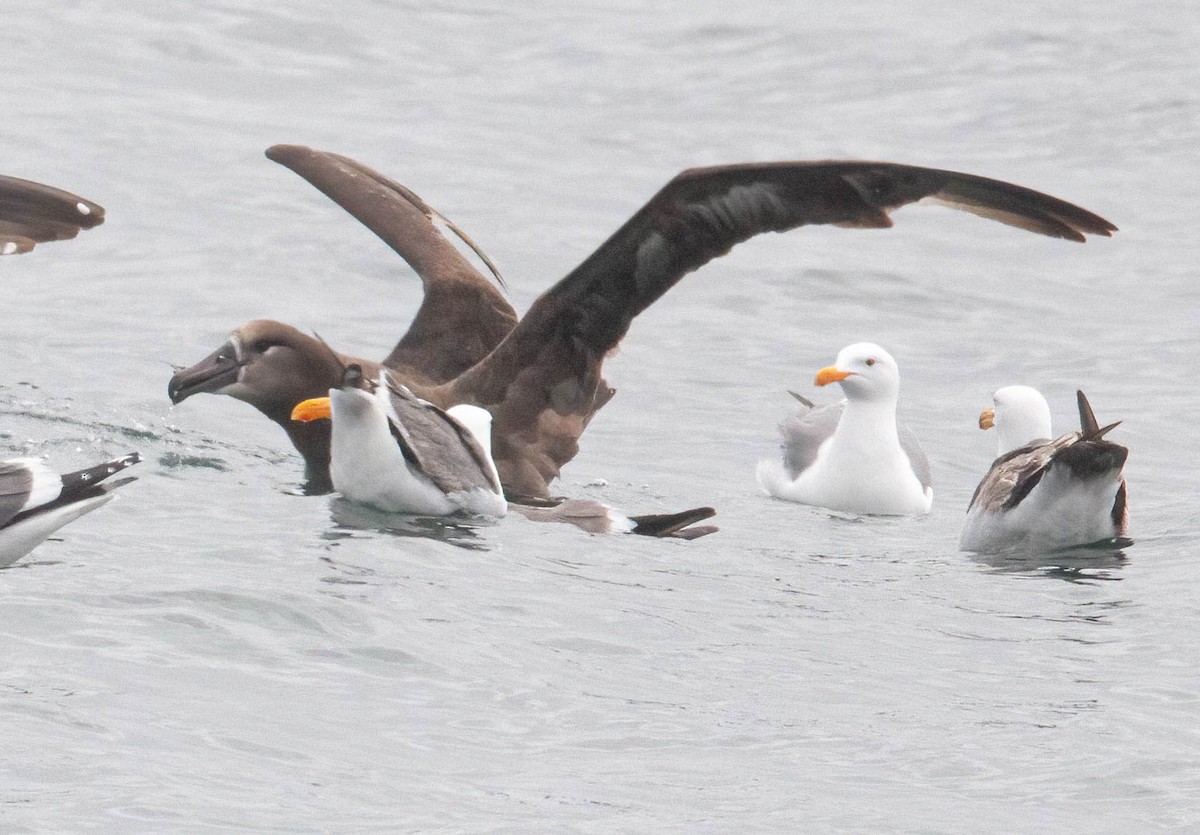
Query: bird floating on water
x=1043 y=494
x=541 y=377
x=35 y=501
x=401 y=454
x=398 y=453
x=852 y=456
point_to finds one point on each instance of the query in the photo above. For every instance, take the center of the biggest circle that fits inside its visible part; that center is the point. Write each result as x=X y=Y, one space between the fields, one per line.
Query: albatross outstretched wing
x=463 y=315
x=32 y=213
x=542 y=384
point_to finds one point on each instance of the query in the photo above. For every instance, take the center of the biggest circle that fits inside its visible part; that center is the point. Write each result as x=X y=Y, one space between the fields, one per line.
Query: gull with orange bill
x=392 y=450
x=852 y=456
x=396 y=452
x=1043 y=494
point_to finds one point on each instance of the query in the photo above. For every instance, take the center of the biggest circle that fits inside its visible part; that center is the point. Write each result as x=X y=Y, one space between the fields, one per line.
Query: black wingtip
x=1087 y=418
x=675 y=525
x=82 y=480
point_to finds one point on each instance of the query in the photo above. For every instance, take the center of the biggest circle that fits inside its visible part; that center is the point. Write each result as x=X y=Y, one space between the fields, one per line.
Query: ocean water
x=215 y=651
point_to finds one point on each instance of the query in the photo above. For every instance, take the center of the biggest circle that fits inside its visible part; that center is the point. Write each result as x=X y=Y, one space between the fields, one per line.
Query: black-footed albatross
x=32 y=213
x=540 y=378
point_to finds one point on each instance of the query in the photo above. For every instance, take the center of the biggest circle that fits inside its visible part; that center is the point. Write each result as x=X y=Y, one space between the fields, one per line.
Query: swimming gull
x=401 y=454
x=851 y=456
x=1044 y=494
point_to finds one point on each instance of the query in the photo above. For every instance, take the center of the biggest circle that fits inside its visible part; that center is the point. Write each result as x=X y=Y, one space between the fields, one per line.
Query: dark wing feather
x=1015 y=473
x=1089 y=427
x=1092 y=456
x=463 y=315
x=85 y=484
x=32 y=213
x=438 y=445
x=543 y=383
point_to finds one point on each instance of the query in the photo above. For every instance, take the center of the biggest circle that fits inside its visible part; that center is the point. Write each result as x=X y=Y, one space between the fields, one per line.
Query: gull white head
x=865 y=372
x=1020 y=415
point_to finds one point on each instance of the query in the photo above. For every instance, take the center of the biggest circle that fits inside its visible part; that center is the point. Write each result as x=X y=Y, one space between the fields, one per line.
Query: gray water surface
x=217 y=651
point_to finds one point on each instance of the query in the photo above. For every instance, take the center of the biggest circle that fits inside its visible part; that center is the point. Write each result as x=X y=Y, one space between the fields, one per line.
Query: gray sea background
x=215 y=651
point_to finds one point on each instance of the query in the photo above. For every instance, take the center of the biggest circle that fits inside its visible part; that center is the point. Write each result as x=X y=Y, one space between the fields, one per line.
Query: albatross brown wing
x=463 y=315
x=32 y=213
x=543 y=384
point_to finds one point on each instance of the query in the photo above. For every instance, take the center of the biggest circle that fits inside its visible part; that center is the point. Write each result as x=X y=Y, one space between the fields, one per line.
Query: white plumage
x=853 y=457
x=1045 y=494
x=392 y=450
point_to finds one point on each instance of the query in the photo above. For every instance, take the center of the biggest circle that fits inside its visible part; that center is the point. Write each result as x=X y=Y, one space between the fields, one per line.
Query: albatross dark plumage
x=541 y=378
x=32 y=213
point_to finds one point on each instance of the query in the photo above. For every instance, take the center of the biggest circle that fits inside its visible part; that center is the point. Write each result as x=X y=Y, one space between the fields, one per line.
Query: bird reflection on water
x=350 y=518
x=1078 y=564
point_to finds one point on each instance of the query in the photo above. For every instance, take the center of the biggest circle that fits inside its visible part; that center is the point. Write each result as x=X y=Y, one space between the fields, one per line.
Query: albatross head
x=270 y=365
x=1020 y=415
x=865 y=372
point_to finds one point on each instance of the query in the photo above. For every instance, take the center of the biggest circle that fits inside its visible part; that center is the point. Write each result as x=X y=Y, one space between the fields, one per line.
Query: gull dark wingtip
x=1088 y=424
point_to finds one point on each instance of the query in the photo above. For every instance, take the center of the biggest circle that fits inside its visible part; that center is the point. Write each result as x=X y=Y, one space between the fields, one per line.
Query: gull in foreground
x=401 y=454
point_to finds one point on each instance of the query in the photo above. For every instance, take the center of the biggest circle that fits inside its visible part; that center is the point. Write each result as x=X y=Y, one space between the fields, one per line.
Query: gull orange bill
x=310 y=410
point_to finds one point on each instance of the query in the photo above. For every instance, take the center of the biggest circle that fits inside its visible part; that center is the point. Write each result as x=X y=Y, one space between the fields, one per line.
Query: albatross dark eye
x=871 y=360
x=261 y=346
